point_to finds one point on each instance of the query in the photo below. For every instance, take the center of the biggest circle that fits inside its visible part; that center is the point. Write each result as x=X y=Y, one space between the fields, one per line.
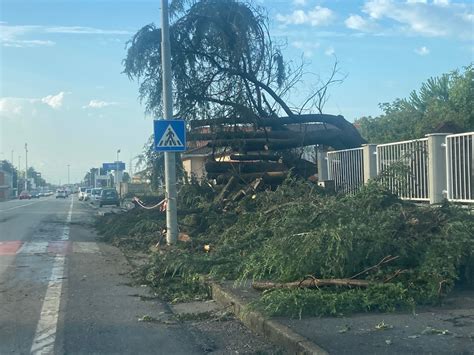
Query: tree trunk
x=269 y=177
x=309 y=283
x=250 y=157
x=346 y=135
x=243 y=167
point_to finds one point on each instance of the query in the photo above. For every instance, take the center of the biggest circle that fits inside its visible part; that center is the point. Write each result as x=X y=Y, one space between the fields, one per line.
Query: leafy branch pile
x=299 y=232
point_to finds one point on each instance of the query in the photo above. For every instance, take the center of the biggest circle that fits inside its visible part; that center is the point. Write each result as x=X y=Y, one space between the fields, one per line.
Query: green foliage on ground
x=299 y=230
x=445 y=100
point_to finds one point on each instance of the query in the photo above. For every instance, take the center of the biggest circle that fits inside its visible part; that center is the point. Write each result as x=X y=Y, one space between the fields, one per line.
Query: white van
x=61 y=194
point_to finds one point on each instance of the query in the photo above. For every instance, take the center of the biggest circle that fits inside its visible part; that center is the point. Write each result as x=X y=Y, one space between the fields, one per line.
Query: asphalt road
x=61 y=292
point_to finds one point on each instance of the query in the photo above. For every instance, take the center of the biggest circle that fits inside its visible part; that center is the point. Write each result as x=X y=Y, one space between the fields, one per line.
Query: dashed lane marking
x=14 y=208
x=57 y=247
x=45 y=335
x=33 y=248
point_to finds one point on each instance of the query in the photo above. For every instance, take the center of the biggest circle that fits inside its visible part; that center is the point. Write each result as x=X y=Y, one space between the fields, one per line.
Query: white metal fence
x=460 y=167
x=403 y=167
x=427 y=169
x=346 y=169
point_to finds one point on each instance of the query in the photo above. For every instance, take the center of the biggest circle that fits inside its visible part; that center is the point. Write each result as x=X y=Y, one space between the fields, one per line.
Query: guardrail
x=460 y=167
x=346 y=168
x=403 y=167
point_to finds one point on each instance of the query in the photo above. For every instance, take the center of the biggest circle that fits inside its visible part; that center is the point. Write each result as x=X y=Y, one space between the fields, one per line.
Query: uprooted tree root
x=283 y=235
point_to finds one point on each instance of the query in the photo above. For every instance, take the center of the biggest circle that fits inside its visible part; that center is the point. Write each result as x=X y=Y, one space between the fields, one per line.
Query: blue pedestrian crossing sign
x=170 y=135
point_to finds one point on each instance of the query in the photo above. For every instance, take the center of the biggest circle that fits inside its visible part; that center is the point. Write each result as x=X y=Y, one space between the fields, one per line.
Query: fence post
x=437 y=182
x=370 y=161
x=322 y=160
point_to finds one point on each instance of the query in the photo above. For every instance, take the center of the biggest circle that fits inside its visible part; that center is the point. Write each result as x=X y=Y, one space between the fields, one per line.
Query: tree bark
x=243 y=167
x=269 y=177
x=309 y=283
x=250 y=157
x=333 y=138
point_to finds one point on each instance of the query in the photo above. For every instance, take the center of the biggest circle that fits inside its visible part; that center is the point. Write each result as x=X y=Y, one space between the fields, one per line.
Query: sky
x=62 y=90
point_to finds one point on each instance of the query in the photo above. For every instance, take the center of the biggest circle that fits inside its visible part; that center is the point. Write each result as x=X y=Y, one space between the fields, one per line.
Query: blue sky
x=62 y=90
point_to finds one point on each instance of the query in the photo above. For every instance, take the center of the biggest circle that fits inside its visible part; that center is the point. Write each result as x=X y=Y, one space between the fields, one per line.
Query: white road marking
x=14 y=208
x=85 y=247
x=33 y=248
x=45 y=335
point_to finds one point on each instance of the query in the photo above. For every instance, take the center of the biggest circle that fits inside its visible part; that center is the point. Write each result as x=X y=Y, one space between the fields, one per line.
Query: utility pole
x=117 y=180
x=68 y=182
x=170 y=165
x=26 y=167
x=12 y=159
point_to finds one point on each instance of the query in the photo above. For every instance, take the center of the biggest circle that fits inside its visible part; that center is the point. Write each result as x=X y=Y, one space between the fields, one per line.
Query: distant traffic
x=96 y=196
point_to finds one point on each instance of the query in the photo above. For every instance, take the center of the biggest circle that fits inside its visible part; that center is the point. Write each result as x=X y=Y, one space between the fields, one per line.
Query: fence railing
x=460 y=167
x=403 y=168
x=346 y=169
x=428 y=169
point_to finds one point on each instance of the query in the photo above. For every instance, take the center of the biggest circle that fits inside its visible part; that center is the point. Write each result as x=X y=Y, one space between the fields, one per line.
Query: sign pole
x=170 y=165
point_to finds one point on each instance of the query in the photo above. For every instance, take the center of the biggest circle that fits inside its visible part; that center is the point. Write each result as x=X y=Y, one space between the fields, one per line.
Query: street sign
x=170 y=135
x=113 y=166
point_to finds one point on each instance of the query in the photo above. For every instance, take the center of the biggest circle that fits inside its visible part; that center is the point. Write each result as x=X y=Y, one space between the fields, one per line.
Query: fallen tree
x=308 y=283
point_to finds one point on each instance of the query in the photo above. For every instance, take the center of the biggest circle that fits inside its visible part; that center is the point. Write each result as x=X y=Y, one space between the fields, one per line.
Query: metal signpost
x=170 y=165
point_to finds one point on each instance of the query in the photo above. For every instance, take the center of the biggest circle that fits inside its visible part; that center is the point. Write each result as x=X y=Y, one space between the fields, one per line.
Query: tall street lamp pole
x=26 y=167
x=117 y=181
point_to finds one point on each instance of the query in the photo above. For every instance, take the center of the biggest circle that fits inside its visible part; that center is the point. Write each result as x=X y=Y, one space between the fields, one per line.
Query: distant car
x=82 y=191
x=61 y=194
x=95 y=195
x=109 y=197
x=87 y=194
x=35 y=194
x=24 y=195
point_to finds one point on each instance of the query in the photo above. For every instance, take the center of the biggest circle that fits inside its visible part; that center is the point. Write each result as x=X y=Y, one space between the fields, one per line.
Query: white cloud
x=435 y=19
x=306 y=46
x=27 y=43
x=99 y=104
x=330 y=51
x=441 y=2
x=299 y=2
x=422 y=51
x=357 y=22
x=11 y=105
x=55 y=101
x=14 y=35
x=319 y=16
x=16 y=106
x=84 y=30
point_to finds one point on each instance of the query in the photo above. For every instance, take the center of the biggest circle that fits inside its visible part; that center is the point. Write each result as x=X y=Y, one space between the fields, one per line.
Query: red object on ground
x=10 y=247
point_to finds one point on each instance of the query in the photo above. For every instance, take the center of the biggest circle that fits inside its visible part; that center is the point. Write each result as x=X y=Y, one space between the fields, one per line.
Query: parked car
x=82 y=192
x=35 y=194
x=24 y=195
x=87 y=194
x=109 y=197
x=95 y=195
x=61 y=194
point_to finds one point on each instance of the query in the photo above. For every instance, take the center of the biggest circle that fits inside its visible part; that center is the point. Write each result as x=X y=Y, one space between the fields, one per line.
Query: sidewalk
x=443 y=330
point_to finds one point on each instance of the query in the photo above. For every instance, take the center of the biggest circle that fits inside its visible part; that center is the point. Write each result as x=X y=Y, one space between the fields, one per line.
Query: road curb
x=272 y=330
